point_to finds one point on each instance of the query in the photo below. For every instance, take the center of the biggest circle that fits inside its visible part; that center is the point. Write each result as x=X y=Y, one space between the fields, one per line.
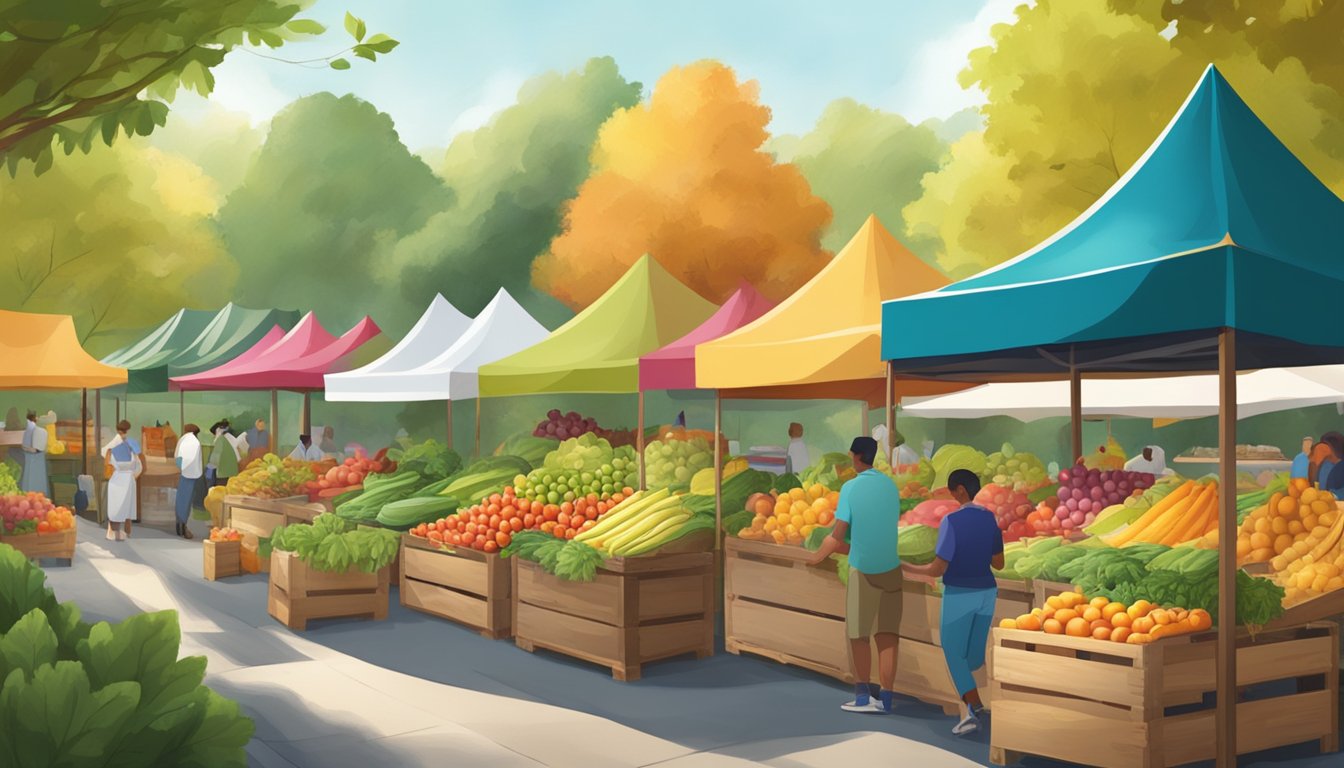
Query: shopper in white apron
x=34 y=475
x=123 y=454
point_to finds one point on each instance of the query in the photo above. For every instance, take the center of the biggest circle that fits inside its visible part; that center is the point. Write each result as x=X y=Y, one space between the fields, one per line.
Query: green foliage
x=286 y=245
x=330 y=544
x=511 y=179
x=577 y=561
x=75 y=694
x=431 y=459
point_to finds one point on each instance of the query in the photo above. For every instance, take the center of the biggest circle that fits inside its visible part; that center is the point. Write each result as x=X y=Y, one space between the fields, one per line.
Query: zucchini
x=408 y=513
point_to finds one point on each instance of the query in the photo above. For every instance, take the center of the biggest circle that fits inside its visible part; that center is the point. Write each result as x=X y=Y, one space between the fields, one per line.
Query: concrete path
x=416 y=690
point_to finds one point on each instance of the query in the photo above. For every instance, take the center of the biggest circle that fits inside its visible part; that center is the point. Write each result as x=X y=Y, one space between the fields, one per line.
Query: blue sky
x=461 y=62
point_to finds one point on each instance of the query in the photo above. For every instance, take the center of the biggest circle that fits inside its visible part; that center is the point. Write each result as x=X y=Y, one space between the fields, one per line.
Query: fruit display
x=914 y=490
x=577 y=468
x=33 y=512
x=481 y=479
x=1107 y=457
x=702 y=482
x=563 y=426
x=490 y=525
x=1117 y=516
x=1190 y=512
x=952 y=457
x=1289 y=526
x=225 y=534
x=271 y=477
x=916 y=543
x=641 y=524
x=921 y=474
x=1100 y=618
x=336 y=479
x=9 y=479
x=405 y=514
x=832 y=470
x=789 y=518
x=671 y=463
x=431 y=459
x=930 y=512
x=1083 y=494
x=1019 y=471
x=1010 y=508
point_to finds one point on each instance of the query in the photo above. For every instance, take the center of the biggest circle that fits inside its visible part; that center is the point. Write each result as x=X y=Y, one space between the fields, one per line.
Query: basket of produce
x=329 y=569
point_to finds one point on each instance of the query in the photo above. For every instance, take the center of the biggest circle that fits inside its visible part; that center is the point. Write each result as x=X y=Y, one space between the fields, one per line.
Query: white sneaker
x=873 y=707
x=968 y=724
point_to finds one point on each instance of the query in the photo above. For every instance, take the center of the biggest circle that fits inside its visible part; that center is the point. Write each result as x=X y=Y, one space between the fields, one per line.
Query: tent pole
x=275 y=427
x=639 y=442
x=864 y=423
x=477 y=448
x=450 y=425
x=1076 y=412
x=98 y=441
x=84 y=430
x=891 y=416
x=181 y=408
x=117 y=406
x=718 y=470
x=306 y=417
x=1227 y=550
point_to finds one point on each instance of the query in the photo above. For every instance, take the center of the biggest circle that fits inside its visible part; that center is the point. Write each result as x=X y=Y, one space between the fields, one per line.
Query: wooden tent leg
x=181 y=409
x=306 y=416
x=1226 y=717
x=275 y=425
x=1076 y=412
x=718 y=470
x=639 y=443
x=891 y=416
x=864 y=422
x=84 y=431
x=450 y=425
x=97 y=441
x=477 y=448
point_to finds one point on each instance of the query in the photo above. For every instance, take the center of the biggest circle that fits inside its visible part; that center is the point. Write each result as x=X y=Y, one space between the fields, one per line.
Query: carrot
x=1130 y=532
x=1196 y=519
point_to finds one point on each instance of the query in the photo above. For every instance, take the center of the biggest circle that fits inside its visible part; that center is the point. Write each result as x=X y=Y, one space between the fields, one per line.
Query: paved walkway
x=415 y=690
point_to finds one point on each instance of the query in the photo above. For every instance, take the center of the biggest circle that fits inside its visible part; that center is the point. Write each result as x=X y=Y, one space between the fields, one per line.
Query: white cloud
x=243 y=85
x=929 y=87
x=498 y=92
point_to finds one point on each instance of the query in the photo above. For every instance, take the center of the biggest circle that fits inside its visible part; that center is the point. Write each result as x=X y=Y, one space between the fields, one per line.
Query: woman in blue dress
x=122 y=452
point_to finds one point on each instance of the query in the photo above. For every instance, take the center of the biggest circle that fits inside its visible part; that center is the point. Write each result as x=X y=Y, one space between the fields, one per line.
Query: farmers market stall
x=42 y=352
x=827 y=335
x=1216 y=202
x=440 y=357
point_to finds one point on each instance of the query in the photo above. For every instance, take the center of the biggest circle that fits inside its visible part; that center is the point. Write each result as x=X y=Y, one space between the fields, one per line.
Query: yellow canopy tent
x=43 y=352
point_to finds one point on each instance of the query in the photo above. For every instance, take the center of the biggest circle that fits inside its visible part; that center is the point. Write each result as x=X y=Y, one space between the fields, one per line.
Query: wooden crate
x=637 y=610
x=461 y=585
x=222 y=558
x=299 y=594
x=44 y=546
x=1109 y=704
x=1044 y=589
x=778 y=607
x=261 y=517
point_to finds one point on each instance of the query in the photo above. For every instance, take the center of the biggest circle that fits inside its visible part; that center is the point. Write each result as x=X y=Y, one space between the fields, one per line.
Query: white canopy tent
x=441 y=324
x=1258 y=392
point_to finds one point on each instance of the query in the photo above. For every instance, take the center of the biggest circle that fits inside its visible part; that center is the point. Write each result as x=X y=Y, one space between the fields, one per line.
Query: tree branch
x=98 y=320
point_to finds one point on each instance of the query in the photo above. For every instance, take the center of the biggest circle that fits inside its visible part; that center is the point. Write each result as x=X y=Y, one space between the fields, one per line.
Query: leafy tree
x=331 y=187
x=88 y=69
x=511 y=179
x=221 y=143
x=684 y=177
x=863 y=161
x=1078 y=90
x=119 y=238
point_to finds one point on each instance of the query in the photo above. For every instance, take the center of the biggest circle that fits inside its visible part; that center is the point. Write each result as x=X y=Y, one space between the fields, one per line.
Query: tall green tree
x=1078 y=90
x=512 y=178
x=119 y=239
x=330 y=188
x=76 y=71
x=864 y=161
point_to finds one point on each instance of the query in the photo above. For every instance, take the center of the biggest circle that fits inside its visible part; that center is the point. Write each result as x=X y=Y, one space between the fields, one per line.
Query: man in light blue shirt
x=866 y=520
x=1302 y=462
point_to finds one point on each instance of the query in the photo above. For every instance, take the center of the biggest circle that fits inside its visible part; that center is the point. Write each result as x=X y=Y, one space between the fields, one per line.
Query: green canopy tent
x=598 y=351
x=1200 y=258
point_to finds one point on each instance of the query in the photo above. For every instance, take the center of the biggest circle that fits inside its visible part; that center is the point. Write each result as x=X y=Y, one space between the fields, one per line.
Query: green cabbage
x=952 y=457
x=915 y=543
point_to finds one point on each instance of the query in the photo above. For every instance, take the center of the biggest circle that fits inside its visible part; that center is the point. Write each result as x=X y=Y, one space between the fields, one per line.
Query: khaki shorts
x=873 y=603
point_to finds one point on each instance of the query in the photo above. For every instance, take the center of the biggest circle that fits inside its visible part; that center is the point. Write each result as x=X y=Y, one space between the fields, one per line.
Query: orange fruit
x=1055 y=602
x=1119 y=634
x=1139 y=608
x=1101 y=633
x=1053 y=627
x=1111 y=609
x=1100 y=602
x=1008 y=624
x=1143 y=625
x=1121 y=619
x=1065 y=615
x=1161 y=616
x=1201 y=619
x=1138 y=638
x=1029 y=622
x=1093 y=625
x=1077 y=627
x=1091 y=613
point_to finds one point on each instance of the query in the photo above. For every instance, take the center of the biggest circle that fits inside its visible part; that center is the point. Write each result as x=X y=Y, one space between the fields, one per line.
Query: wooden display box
x=1107 y=704
x=461 y=585
x=44 y=546
x=1044 y=589
x=222 y=558
x=261 y=517
x=779 y=607
x=637 y=610
x=299 y=594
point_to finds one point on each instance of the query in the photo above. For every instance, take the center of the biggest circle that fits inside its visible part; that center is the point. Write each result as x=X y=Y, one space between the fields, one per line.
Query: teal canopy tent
x=1218 y=225
x=1206 y=255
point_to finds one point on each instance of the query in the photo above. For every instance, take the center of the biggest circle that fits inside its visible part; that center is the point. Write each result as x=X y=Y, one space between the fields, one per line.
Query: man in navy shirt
x=969 y=545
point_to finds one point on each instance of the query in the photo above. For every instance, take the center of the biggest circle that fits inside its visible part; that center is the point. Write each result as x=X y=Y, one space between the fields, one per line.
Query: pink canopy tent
x=295 y=361
x=673 y=366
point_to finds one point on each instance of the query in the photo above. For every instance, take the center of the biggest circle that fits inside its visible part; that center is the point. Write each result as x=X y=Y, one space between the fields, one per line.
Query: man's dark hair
x=964 y=479
x=865 y=448
x=1336 y=442
x=191 y=429
x=32 y=416
x=306 y=440
x=123 y=426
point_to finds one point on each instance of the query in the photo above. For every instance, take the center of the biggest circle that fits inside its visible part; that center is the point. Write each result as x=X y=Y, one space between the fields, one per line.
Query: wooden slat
x=587 y=640
x=1074 y=677
x=447 y=569
x=1095 y=647
x=1261 y=724
x=805 y=589
x=656 y=563
x=818 y=639
x=445 y=603
x=596 y=600
x=661 y=641
x=1065 y=733
x=256 y=521
x=670 y=596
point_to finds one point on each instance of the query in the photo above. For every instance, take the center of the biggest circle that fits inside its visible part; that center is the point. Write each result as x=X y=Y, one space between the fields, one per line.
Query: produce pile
x=832 y=470
x=1010 y=506
x=1139 y=623
x=742 y=489
x=431 y=459
x=1117 y=516
x=931 y=512
x=271 y=477
x=33 y=512
x=8 y=478
x=1107 y=457
x=563 y=426
x=402 y=500
x=578 y=468
x=790 y=517
x=671 y=463
x=334 y=545
x=491 y=525
x=1188 y=513
x=1301 y=533
x=336 y=479
x=528 y=447
x=1083 y=494
x=1021 y=472
x=225 y=534
x=914 y=480
x=952 y=457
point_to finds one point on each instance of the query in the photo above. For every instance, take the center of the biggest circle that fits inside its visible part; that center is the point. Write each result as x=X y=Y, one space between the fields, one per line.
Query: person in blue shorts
x=969 y=545
x=866 y=520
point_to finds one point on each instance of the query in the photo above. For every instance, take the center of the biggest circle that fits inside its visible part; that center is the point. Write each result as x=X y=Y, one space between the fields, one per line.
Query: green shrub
x=78 y=694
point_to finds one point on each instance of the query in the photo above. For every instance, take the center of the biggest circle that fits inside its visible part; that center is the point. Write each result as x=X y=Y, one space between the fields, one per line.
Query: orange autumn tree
x=683 y=178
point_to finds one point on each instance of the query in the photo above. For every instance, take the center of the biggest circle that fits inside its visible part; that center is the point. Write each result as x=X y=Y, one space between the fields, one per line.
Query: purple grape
x=573 y=416
x=1109 y=486
x=1079 y=493
x=1066 y=524
x=1077 y=518
x=550 y=428
x=1084 y=505
x=1097 y=493
x=1064 y=476
x=553 y=414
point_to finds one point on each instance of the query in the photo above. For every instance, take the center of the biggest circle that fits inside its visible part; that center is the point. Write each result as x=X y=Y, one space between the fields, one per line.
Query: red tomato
x=571 y=533
x=502 y=539
x=548 y=526
x=508 y=510
x=588 y=524
x=558 y=532
x=493 y=509
x=480 y=540
x=628 y=491
x=590 y=513
x=524 y=505
x=494 y=521
x=566 y=508
x=471 y=529
x=442 y=525
x=508 y=490
x=490 y=546
x=435 y=536
x=529 y=521
x=592 y=498
x=563 y=520
x=456 y=539
x=552 y=513
x=601 y=507
x=505 y=527
x=616 y=498
x=515 y=523
x=494 y=498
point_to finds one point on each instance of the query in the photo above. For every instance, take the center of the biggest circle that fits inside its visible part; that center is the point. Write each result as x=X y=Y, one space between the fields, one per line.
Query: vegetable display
x=1139 y=623
x=789 y=518
x=333 y=544
x=33 y=512
x=832 y=470
x=8 y=479
x=528 y=447
x=641 y=524
x=578 y=467
x=431 y=459
x=1083 y=494
x=1019 y=471
x=671 y=463
x=952 y=457
x=1187 y=513
x=491 y=525
x=407 y=513
x=378 y=491
x=225 y=534
x=1010 y=508
x=482 y=478
x=563 y=426
x=1308 y=561
x=335 y=479
x=271 y=477
x=930 y=512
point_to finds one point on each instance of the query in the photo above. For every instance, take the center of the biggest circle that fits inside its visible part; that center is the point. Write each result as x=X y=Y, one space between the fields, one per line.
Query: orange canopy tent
x=43 y=352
